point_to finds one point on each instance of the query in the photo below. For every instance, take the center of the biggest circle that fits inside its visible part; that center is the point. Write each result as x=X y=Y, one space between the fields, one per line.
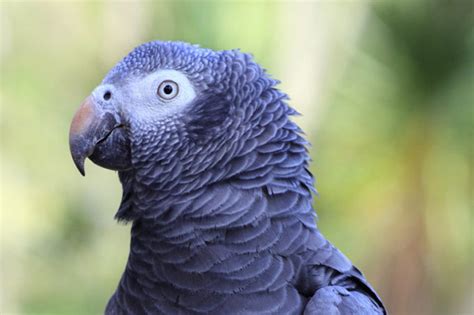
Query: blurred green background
x=386 y=93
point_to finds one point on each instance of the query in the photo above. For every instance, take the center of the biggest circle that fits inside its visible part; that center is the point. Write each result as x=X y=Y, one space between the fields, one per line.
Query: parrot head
x=167 y=100
x=173 y=118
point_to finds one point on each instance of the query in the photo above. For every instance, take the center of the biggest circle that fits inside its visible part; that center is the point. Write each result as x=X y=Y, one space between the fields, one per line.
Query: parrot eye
x=168 y=90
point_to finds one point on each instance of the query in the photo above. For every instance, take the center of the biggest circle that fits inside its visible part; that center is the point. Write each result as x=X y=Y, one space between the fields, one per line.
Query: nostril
x=107 y=95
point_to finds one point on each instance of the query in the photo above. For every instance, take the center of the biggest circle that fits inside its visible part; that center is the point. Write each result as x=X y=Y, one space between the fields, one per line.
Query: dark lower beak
x=90 y=126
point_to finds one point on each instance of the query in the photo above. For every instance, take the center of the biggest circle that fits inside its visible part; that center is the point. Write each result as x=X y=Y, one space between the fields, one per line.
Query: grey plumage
x=219 y=193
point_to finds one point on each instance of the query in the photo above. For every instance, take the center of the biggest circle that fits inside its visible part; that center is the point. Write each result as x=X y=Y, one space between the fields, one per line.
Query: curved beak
x=90 y=125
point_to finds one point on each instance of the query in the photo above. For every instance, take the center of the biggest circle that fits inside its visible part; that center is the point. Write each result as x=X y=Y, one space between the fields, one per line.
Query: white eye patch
x=159 y=95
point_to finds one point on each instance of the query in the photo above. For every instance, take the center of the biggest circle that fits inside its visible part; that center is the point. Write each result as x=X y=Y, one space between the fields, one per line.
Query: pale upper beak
x=91 y=125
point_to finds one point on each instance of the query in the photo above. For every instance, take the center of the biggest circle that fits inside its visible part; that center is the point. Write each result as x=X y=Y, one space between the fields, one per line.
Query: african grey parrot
x=216 y=182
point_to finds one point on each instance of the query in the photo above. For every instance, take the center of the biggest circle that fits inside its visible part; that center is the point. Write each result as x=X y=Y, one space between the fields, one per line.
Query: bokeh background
x=386 y=93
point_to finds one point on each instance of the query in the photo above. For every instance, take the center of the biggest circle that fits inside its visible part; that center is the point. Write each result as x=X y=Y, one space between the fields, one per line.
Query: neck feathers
x=262 y=151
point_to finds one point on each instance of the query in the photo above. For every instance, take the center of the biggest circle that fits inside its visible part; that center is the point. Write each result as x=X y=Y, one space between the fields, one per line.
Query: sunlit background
x=386 y=93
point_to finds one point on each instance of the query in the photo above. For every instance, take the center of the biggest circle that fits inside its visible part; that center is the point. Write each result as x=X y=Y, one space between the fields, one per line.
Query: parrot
x=216 y=186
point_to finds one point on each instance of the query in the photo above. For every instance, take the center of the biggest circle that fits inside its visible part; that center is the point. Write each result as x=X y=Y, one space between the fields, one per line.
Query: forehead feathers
x=149 y=57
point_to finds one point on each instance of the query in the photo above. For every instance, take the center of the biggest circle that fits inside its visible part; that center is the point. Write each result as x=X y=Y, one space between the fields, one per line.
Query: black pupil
x=168 y=89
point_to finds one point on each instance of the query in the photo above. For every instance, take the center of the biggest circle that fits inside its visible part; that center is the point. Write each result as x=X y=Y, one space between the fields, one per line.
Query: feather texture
x=220 y=201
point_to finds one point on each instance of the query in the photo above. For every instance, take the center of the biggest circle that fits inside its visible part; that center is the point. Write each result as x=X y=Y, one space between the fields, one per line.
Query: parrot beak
x=90 y=126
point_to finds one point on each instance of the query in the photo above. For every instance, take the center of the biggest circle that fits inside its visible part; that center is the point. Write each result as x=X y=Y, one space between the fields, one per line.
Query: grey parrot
x=216 y=184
